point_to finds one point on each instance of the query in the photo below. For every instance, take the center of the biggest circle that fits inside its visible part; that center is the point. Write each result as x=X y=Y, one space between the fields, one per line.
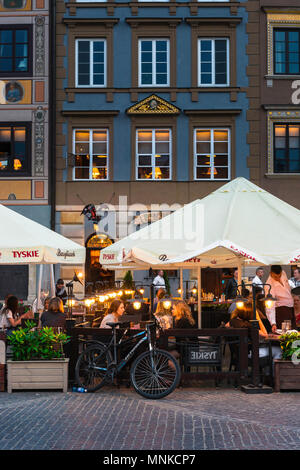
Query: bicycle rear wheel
x=155 y=374
x=91 y=367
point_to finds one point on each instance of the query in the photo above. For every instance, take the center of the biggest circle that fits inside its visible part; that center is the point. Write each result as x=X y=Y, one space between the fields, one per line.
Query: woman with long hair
x=182 y=319
x=113 y=314
x=182 y=315
x=9 y=318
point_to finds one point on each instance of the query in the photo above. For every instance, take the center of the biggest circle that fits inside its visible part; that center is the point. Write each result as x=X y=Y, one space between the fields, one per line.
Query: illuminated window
x=15 y=50
x=153 y=154
x=212 y=154
x=91 y=63
x=91 y=154
x=213 y=62
x=154 y=62
x=287 y=148
x=14 y=154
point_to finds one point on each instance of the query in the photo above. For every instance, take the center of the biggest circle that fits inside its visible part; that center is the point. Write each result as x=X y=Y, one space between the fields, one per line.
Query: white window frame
x=153 y=130
x=211 y=155
x=91 y=41
x=77 y=129
x=153 y=63
x=213 y=84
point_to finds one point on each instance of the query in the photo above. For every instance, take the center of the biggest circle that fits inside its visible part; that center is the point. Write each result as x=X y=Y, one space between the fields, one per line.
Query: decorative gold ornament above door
x=153 y=105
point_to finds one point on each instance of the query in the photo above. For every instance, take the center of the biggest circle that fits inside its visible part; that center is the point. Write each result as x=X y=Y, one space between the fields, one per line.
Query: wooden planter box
x=37 y=375
x=287 y=375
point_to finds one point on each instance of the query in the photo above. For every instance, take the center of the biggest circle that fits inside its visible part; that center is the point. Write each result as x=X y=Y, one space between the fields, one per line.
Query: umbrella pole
x=239 y=272
x=39 y=286
x=52 y=283
x=181 y=282
x=199 y=295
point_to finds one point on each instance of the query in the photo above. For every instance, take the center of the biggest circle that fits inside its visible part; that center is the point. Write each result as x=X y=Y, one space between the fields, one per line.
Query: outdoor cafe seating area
x=214 y=232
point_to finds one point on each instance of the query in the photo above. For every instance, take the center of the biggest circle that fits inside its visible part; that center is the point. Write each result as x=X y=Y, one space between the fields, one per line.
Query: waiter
x=284 y=305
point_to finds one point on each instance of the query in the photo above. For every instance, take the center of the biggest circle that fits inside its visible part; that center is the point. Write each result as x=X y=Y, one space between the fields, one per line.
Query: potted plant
x=287 y=369
x=128 y=281
x=167 y=283
x=38 y=360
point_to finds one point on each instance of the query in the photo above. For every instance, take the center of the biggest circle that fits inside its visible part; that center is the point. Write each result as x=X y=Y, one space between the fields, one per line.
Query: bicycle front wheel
x=92 y=366
x=155 y=374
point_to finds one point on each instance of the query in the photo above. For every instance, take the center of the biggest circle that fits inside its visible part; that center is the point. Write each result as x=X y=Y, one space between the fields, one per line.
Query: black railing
x=197 y=349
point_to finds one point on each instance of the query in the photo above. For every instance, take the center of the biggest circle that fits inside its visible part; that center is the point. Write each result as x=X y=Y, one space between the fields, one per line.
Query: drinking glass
x=288 y=325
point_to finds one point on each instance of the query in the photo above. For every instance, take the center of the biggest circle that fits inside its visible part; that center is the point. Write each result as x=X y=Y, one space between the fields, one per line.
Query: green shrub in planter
x=31 y=343
x=290 y=345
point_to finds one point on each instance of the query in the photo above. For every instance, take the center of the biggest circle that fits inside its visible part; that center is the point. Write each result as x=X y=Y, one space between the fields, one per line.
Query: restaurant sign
x=204 y=354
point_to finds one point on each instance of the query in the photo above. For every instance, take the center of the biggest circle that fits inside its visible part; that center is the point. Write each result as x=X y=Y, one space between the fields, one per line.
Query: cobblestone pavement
x=116 y=419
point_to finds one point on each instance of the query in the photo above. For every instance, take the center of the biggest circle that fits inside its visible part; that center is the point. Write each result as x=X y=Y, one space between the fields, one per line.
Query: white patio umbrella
x=238 y=220
x=23 y=241
x=238 y=223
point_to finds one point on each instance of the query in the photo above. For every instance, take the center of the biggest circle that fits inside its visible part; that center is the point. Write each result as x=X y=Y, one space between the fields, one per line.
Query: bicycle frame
x=145 y=336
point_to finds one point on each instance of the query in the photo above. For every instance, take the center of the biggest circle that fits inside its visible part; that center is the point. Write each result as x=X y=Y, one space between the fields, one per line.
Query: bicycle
x=154 y=373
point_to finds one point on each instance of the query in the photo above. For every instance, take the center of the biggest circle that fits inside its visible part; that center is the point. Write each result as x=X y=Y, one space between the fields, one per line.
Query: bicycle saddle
x=113 y=325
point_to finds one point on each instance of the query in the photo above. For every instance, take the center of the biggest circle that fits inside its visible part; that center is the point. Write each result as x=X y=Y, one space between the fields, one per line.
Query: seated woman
x=113 y=314
x=160 y=294
x=163 y=316
x=241 y=318
x=8 y=316
x=182 y=318
x=55 y=315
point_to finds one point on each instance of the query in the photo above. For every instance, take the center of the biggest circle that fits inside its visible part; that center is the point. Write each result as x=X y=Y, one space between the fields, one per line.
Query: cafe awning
x=23 y=241
x=237 y=223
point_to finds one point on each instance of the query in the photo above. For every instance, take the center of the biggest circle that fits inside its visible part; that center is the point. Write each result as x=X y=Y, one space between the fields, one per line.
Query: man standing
x=295 y=281
x=61 y=291
x=231 y=290
x=296 y=297
x=159 y=281
x=284 y=304
x=257 y=281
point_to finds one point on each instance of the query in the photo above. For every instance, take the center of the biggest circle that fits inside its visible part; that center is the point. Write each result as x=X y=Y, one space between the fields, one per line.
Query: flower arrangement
x=31 y=343
x=290 y=345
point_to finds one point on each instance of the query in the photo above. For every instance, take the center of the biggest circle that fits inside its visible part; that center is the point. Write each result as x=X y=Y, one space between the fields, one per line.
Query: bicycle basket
x=151 y=333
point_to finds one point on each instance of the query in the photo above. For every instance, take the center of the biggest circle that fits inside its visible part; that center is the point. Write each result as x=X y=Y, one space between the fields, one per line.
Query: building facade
x=25 y=132
x=151 y=111
x=279 y=113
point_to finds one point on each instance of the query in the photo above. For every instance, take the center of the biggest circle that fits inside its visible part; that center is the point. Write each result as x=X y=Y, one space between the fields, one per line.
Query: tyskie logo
x=26 y=254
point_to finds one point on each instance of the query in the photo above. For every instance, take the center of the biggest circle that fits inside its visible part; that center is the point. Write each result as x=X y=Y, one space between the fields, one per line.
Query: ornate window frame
x=278 y=116
x=277 y=20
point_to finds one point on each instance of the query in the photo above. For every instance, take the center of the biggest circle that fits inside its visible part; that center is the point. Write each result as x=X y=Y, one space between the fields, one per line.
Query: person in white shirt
x=257 y=281
x=284 y=305
x=114 y=313
x=295 y=280
x=159 y=281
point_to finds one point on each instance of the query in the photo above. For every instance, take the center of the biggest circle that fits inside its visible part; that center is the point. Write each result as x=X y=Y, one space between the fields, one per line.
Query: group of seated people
x=52 y=315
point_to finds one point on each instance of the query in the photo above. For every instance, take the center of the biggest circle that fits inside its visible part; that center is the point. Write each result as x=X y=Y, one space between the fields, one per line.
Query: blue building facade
x=151 y=110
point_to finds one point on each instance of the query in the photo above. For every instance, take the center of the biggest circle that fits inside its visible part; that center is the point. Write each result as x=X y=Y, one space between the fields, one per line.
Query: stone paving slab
x=119 y=419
